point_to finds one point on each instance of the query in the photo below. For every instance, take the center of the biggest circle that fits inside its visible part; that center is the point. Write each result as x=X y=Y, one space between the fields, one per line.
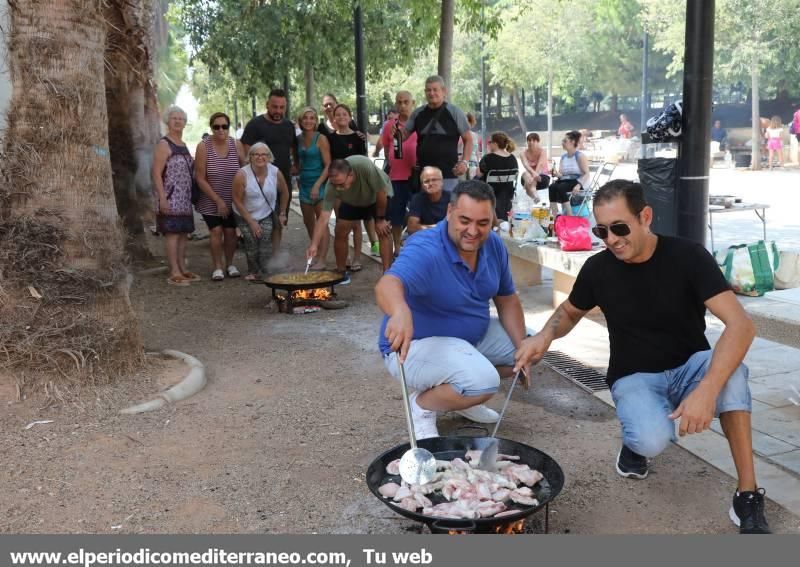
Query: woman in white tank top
x=573 y=174
x=255 y=190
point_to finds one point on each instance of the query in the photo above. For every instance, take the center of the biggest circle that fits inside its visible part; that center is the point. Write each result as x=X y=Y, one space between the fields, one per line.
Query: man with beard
x=654 y=291
x=275 y=130
x=436 y=300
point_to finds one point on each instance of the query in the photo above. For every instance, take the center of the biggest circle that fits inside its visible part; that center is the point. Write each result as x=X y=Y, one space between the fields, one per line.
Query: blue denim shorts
x=645 y=399
x=470 y=370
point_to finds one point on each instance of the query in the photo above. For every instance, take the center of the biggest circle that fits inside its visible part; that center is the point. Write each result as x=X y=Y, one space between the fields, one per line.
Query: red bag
x=573 y=233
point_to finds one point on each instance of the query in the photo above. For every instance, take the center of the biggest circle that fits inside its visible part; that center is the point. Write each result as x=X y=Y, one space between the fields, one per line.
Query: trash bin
x=658 y=177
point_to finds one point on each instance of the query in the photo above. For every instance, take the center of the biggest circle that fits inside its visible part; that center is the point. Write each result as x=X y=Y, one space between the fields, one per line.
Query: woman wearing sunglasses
x=217 y=159
x=573 y=174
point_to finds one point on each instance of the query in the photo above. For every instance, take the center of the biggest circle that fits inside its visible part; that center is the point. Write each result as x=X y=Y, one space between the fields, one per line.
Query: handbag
x=573 y=233
x=414 y=181
x=749 y=268
x=196 y=191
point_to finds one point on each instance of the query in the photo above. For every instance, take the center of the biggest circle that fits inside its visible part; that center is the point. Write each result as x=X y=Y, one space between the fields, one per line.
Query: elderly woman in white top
x=255 y=190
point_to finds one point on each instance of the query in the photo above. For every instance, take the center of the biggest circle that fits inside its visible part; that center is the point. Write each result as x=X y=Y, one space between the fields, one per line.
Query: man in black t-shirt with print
x=654 y=291
x=439 y=125
x=275 y=130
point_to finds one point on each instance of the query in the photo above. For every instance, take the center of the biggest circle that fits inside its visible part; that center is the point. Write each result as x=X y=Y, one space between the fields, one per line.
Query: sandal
x=233 y=271
x=318 y=267
x=177 y=280
x=191 y=276
x=356 y=267
x=218 y=275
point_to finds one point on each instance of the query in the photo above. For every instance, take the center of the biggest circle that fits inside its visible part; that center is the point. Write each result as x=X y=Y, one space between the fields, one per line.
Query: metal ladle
x=417 y=465
x=489 y=453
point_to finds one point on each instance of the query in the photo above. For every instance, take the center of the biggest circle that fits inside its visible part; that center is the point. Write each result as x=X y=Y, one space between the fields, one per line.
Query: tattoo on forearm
x=555 y=320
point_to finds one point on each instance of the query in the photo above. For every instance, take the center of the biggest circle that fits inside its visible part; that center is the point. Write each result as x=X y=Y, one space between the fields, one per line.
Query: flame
x=511 y=528
x=318 y=293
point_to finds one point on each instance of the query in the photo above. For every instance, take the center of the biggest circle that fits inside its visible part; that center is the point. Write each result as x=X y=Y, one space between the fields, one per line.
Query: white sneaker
x=480 y=414
x=424 y=420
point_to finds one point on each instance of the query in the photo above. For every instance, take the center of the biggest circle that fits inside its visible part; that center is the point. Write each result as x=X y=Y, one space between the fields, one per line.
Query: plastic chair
x=581 y=202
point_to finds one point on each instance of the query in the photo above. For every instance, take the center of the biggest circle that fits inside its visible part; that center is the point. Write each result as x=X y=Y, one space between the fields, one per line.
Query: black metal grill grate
x=583 y=376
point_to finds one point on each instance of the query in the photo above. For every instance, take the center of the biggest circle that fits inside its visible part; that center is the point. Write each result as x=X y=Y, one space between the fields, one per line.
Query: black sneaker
x=747 y=512
x=631 y=465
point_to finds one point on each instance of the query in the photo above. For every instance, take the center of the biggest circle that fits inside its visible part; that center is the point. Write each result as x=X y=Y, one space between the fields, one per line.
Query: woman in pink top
x=537 y=170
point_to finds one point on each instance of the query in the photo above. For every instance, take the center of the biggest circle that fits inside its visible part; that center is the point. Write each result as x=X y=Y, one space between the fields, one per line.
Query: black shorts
x=561 y=190
x=352 y=213
x=215 y=221
x=544 y=180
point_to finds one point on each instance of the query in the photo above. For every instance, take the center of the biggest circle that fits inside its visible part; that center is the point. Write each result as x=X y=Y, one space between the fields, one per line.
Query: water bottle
x=728 y=159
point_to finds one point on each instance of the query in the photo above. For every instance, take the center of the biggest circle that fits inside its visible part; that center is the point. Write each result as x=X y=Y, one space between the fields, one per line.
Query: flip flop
x=177 y=280
x=356 y=267
x=233 y=271
x=318 y=267
x=191 y=276
x=217 y=275
x=250 y=278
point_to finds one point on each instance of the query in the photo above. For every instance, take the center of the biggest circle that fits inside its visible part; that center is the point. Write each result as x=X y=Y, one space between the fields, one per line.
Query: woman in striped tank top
x=217 y=159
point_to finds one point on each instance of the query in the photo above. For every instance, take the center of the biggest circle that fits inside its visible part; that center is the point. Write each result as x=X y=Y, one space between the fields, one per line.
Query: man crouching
x=436 y=300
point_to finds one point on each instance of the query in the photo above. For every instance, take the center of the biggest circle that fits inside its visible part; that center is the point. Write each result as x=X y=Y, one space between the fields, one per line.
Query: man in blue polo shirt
x=436 y=300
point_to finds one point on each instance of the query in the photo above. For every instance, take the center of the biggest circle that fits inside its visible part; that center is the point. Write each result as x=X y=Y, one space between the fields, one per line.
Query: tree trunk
x=498 y=113
x=755 y=114
x=614 y=103
x=309 y=80
x=128 y=67
x=519 y=110
x=536 y=102
x=66 y=310
x=549 y=115
x=446 y=27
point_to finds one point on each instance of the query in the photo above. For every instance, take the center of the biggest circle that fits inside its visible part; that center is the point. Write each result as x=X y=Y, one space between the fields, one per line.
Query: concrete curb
x=192 y=383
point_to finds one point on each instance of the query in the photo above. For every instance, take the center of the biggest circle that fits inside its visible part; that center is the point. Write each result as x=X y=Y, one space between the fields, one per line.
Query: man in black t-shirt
x=654 y=291
x=429 y=206
x=275 y=130
x=439 y=125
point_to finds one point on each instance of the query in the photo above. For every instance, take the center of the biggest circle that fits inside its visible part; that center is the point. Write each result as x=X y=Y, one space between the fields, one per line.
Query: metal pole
x=361 y=89
x=645 y=109
x=483 y=89
x=694 y=152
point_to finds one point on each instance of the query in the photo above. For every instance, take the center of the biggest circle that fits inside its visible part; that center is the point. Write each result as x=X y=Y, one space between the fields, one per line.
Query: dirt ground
x=295 y=409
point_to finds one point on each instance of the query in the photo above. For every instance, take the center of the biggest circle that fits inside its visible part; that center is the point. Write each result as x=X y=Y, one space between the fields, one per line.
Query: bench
x=528 y=258
x=776 y=316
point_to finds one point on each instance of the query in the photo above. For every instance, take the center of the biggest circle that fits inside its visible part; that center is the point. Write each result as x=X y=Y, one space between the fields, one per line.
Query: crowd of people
x=244 y=195
x=653 y=290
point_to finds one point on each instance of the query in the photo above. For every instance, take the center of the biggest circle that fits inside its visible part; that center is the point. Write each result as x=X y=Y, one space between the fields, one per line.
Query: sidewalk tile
x=781 y=423
x=775 y=390
x=776 y=360
x=789 y=460
x=763 y=444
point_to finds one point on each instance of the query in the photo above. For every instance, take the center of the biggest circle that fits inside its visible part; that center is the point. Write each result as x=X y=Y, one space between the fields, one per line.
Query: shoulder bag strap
x=261 y=188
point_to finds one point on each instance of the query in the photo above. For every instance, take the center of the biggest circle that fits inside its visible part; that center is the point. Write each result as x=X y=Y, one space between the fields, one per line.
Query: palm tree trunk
x=66 y=309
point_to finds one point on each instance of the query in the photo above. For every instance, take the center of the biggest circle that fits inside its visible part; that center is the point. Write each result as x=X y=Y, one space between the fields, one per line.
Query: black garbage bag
x=667 y=125
x=658 y=177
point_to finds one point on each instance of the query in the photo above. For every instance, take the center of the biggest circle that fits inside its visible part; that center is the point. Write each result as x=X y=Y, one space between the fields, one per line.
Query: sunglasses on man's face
x=618 y=229
x=221 y=126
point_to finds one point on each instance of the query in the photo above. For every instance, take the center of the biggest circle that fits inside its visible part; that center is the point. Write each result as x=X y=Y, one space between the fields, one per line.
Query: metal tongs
x=489 y=453
x=417 y=465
